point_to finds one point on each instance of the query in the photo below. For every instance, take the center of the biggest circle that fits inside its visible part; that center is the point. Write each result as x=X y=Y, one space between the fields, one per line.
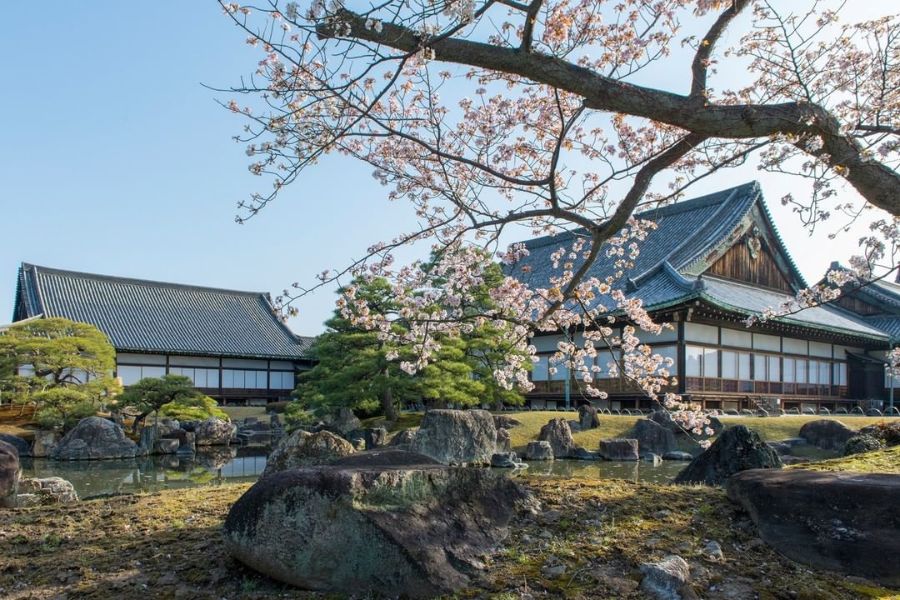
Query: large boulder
x=653 y=437
x=95 y=438
x=344 y=421
x=21 y=445
x=9 y=475
x=539 y=451
x=587 y=417
x=619 y=449
x=388 y=523
x=828 y=434
x=737 y=449
x=558 y=433
x=214 y=432
x=46 y=491
x=455 y=437
x=303 y=449
x=845 y=522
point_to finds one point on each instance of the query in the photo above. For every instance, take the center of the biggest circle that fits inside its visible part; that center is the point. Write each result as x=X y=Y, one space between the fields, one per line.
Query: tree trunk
x=387 y=401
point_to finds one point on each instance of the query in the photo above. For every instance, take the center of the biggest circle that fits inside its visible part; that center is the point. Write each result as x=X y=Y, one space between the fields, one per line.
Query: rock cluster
x=541 y=450
x=587 y=417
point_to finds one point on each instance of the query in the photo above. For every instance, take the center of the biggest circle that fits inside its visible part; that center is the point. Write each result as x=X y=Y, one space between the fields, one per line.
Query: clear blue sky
x=117 y=160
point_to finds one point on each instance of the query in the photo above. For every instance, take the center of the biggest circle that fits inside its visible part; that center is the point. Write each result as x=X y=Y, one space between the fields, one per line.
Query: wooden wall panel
x=857 y=305
x=737 y=264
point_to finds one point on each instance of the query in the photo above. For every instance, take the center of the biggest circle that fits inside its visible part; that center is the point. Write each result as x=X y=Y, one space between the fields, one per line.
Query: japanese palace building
x=229 y=343
x=711 y=262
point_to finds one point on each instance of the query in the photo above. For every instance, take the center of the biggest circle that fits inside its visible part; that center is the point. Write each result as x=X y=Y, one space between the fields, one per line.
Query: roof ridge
x=697 y=232
x=660 y=211
x=136 y=281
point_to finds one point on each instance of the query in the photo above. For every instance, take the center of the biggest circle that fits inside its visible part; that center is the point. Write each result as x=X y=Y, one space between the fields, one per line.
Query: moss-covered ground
x=168 y=545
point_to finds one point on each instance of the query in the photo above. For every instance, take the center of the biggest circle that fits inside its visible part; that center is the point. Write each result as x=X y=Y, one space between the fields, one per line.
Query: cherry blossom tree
x=484 y=114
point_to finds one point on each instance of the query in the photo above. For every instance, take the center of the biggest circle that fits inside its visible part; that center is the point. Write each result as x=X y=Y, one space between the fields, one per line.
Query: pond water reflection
x=152 y=473
x=664 y=472
x=232 y=465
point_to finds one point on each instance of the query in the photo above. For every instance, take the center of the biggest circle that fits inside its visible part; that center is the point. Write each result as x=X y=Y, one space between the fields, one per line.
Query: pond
x=664 y=472
x=236 y=465
x=93 y=478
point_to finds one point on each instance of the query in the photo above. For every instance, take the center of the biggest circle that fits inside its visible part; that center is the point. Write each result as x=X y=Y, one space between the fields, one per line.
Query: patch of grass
x=620 y=525
x=788 y=426
x=405 y=420
x=615 y=426
x=879 y=461
x=239 y=413
x=602 y=530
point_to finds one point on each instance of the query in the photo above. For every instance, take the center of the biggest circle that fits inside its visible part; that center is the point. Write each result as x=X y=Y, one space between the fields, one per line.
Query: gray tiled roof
x=686 y=233
x=149 y=316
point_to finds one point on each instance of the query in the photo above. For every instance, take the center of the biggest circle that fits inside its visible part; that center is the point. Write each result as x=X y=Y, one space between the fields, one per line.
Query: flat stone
x=836 y=521
x=619 y=449
x=678 y=455
x=540 y=450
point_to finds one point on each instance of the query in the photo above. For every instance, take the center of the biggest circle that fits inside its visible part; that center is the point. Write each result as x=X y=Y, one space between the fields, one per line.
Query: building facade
x=229 y=343
x=711 y=263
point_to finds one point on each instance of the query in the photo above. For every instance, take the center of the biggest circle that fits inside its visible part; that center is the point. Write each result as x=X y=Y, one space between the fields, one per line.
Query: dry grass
x=168 y=545
x=613 y=426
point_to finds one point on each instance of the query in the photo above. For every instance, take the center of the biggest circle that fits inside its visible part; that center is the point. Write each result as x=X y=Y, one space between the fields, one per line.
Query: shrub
x=296 y=416
x=62 y=407
x=277 y=407
x=862 y=443
x=197 y=408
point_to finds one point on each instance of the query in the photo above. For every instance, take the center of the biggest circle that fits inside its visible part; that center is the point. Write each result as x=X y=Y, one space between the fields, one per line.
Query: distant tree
x=353 y=369
x=449 y=378
x=173 y=392
x=62 y=367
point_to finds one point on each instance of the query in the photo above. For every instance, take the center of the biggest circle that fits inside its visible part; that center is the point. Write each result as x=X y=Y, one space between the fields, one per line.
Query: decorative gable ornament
x=754 y=245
